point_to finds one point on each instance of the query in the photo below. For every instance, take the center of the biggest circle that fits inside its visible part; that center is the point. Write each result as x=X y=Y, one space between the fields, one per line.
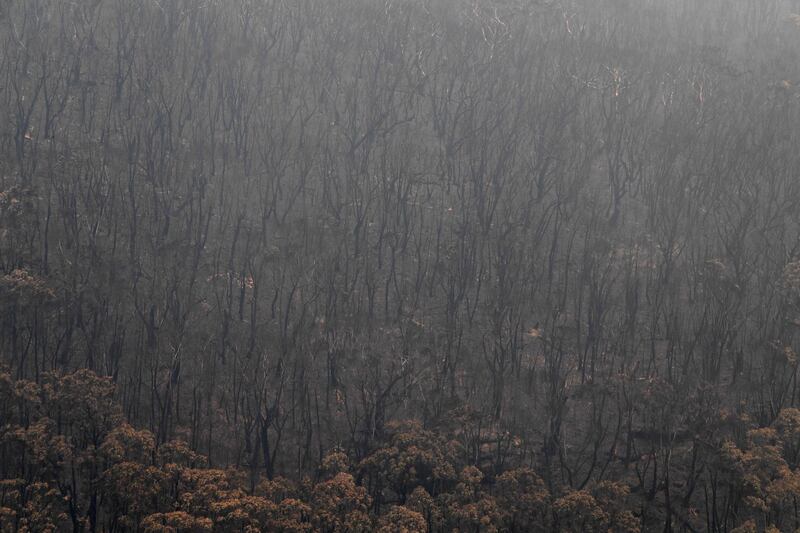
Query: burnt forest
x=404 y=266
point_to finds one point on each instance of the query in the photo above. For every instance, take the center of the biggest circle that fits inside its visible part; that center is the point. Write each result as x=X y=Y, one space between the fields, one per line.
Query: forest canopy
x=399 y=266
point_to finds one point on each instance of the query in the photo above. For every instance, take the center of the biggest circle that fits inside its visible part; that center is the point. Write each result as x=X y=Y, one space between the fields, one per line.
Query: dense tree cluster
x=72 y=462
x=413 y=265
